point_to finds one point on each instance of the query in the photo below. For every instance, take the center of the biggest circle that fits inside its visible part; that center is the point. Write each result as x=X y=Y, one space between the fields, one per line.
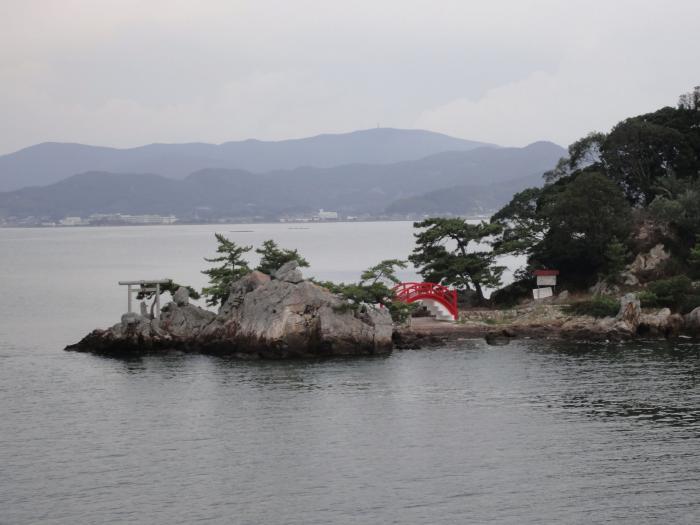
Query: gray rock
x=181 y=297
x=242 y=287
x=132 y=318
x=289 y=272
x=186 y=321
x=646 y=265
x=498 y=337
x=691 y=321
x=660 y=324
x=629 y=279
x=630 y=312
x=261 y=318
x=282 y=319
x=603 y=287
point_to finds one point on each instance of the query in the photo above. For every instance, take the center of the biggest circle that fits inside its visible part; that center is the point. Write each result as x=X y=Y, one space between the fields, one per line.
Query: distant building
x=72 y=221
x=149 y=219
x=118 y=218
x=327 y=215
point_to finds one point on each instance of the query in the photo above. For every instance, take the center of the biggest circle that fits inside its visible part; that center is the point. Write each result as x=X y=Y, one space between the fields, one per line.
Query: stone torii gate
x=144 y=286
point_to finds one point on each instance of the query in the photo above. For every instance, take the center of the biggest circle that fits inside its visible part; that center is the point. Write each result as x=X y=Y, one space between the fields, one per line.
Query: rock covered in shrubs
x=648 y=264
x=262 y=318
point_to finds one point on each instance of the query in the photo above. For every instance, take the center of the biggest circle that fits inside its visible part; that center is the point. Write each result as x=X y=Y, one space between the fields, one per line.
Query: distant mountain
x=50 y=162
x=461 y=200
x=353 y=189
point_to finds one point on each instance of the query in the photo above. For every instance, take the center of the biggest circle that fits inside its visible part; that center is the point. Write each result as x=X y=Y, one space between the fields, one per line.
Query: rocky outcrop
x=263 y=317
x=498 y=327
x=630 y=312
x=691 y=322
x=660 y=324
x=181 y=297
x=646 y=266
x=289 y=272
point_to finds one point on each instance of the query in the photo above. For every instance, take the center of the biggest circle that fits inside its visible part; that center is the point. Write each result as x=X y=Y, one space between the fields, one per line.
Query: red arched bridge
x=440 y=300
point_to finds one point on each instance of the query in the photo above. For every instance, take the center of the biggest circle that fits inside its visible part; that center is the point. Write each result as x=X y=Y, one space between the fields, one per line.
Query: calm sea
x=527 y=433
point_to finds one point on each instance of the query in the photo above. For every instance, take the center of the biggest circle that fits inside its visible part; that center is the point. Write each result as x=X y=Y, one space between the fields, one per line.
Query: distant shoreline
x=187 y=223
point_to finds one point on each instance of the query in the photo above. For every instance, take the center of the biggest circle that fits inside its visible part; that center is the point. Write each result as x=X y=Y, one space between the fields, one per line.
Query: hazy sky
x=130 y=72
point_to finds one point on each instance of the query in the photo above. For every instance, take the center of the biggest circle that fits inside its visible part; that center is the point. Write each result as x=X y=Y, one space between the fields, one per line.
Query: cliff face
x=281 y=316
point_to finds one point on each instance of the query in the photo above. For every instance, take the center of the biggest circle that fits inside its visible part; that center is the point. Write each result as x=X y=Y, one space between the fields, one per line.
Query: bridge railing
x=410 y=292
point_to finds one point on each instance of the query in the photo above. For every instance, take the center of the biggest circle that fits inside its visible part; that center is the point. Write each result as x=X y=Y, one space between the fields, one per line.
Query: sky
x=125 y=73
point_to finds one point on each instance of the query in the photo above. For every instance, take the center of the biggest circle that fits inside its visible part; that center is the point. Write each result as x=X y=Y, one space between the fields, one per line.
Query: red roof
x=546 y=272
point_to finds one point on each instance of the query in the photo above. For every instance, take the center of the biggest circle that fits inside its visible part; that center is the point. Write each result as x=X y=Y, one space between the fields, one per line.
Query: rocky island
x=283 y=315
x=265 y=316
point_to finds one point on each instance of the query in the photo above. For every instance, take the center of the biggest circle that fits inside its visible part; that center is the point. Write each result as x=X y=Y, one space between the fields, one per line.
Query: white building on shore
x=324 y=215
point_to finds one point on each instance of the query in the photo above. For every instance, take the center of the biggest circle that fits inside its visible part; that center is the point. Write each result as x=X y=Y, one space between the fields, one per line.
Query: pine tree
x=221 y=277
x=616 y=255
x=272 y=257
x=448 y=251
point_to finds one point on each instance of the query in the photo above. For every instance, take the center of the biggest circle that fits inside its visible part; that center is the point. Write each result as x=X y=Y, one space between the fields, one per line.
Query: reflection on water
x=529 y=433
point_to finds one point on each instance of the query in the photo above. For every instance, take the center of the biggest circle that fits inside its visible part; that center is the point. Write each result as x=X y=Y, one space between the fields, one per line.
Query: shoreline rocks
x=550 y=321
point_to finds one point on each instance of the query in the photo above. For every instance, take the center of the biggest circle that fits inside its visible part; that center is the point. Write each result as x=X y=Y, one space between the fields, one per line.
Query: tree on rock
x=272 y=257
x=375 y=288
x=232 y=268
x=384 y=272
x=449 y=251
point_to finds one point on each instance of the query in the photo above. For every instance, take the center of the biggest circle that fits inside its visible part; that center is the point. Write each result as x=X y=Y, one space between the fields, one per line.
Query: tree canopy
x=454 y=252
x=374 y=289
x=272 y=257
x=233 y=266
x=567 y=225
x=581 y=221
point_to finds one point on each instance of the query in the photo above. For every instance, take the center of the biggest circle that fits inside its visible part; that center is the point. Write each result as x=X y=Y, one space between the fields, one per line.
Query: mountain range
x=474 y=179
x=51 y=162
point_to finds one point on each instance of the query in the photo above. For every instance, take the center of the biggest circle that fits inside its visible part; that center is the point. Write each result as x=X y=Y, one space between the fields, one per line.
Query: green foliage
x=372 y=290
x=672 y=292
x=522 y=226
x=694 y=259
x=690 y=303
x=637 y=153
x=171 y=287
x=385 y=272
x=676 y=293
x=448 y=252
x=511 y=295
x=559 y=171
x=272 y=257
x=648 y=299
x=583 y=153
x=232 y=268
x=599 y=306
x=679 y=206
x=573 y=225
x=584 y=215
x=586 y=151
x=690 y=101
x=616 y=257
x=580 y=222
